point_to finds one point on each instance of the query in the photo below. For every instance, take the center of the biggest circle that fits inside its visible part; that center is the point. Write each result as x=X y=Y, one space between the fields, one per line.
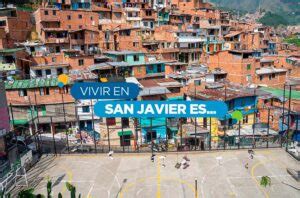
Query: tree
x=265 y=181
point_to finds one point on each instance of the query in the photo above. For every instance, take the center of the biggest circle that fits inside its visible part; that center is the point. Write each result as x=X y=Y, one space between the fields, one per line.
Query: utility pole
x=52 y=131
x=210 y=130
x=283 y=116
x=93 y=126
x=195 y=133
x=65 y=121
x=33 y=123
x=108 y=135
x=37 y=116
x=254 y=121
x=239 y=134
x=78 y=124
x=167 y=134
x=289 y=115
x=268 y=130
x=122 y=136
x=12 y=116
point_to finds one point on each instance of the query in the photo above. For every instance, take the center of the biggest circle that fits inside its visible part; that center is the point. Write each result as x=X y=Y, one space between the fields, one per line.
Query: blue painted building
x=75 y=4
x=130 y=57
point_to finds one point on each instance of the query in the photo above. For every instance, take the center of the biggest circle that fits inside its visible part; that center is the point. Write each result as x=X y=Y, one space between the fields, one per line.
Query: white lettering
x=84 y=92
x=109 y=109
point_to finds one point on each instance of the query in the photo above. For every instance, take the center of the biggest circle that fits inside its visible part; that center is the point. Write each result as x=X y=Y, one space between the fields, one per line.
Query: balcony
x=133 y=18
x=56 y=40
x=104 y=21
x=101 y=7
x=132 y=9
x=77 y=41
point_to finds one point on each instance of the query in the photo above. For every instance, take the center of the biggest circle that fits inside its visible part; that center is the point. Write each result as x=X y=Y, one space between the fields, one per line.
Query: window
x=125 y=140
x=245 y=119
x=48 y=72
x=197 y=82
x=47 y=91
x=135 y=44
x=249 y=67
x=46 y=12
x=273 y=75
x=44 y=91
x=80 y=62
x=106 y=35
x=69 y=17
x=2 y=23
x=270 y=77
x=80 y=26
x=79 y=16
x=38 y=73
x=139 y=69
x=111 y=121
x=91 y=18
x=59 y=71
x=148 y=13
x=41 y=90
x=136 y=58
x=261 y=78
x=54 y=12
x=22 y=92
x=85 y=109
x=231 y=105
x=159 y=68
x=249 y=78
x=69 y=26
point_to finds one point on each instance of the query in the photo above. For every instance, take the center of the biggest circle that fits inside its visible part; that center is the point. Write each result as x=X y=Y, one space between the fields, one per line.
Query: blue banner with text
x=139 y=109
x=109 y=90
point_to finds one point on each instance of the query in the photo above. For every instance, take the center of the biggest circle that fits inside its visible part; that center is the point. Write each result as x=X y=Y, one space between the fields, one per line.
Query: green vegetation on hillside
x=293 y=40
x=272 y=19
x=289 y=10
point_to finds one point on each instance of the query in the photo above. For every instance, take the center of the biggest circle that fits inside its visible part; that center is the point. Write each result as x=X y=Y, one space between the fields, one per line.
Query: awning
x=120 y=133
x=232 y=34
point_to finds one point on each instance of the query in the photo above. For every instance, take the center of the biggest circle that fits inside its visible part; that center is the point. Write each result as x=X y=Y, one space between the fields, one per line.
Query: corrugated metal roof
x=123 y=52
x=119 y=64
x=232 y=34
x=149 y=91
x=157 y=62
x=12 y=50
x=100 y=66
x=190 y=39
x=269 y=70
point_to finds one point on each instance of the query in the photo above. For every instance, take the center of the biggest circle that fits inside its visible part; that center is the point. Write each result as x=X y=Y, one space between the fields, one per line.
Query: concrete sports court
x=219 y=174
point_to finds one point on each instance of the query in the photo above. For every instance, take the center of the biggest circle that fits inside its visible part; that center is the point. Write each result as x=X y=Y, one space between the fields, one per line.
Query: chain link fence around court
x=162 y=135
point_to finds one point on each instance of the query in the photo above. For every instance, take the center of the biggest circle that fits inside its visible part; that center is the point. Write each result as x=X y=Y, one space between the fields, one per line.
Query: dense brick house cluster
x=174 y=50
